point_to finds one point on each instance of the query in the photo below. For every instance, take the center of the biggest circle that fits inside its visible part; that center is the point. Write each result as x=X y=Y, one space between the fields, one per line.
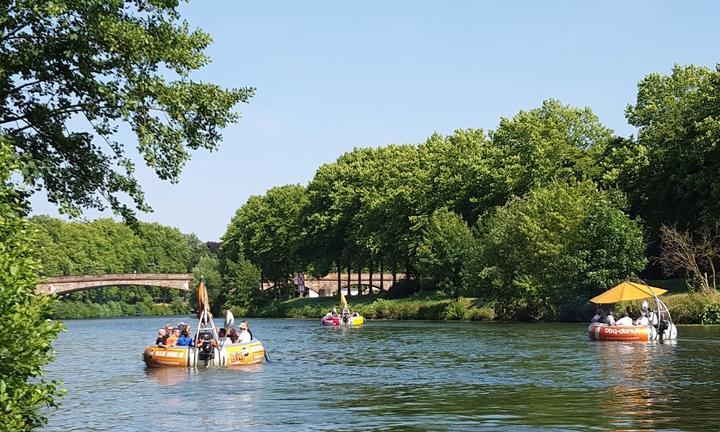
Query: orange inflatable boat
x=229 y=355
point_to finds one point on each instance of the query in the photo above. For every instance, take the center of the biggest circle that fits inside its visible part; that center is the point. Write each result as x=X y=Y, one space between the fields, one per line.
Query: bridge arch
x=69 y=284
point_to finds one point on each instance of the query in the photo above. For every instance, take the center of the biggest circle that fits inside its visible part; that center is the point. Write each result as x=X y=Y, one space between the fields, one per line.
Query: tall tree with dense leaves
x=678 y=117
x=445 y=249
x=265 y=231
x=552 y=250
x=26 y=334
x=545 y=144
x=77 y=75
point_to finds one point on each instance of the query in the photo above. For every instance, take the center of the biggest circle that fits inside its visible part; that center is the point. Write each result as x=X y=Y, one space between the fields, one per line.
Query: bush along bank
x=79 y=309
x=686 y=308
x=374 y=307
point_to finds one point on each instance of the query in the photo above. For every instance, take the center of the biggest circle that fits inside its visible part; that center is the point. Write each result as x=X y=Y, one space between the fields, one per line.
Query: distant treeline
x=533 y=217
x=105 y=246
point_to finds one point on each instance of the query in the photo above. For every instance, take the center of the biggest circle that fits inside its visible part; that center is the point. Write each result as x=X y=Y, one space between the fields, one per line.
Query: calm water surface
x=393 y=375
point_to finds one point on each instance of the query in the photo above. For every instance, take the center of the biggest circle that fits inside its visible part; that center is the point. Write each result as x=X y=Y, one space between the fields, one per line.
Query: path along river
x=392 y=375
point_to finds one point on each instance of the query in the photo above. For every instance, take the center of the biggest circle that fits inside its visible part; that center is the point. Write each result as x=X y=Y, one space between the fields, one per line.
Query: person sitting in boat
x=247 y=327
x=171 y=341
x=184 y=339
x=334 y=311
x=625 y=320
x=598 y=317
x=223 y=337
x=610 y=319
x=642 y=320
x=355 y=314
x=233 y=335
x=162 y=337
x=245 y=335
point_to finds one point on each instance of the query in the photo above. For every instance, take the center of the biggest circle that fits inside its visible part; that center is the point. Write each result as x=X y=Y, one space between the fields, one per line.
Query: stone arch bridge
x=68 y=284
x=329 y=284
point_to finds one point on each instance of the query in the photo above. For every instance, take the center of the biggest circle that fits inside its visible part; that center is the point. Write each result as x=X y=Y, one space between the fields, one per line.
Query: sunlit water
x=392 y=375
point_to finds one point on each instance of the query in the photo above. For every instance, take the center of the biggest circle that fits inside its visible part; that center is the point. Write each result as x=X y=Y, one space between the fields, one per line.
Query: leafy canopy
x=78 y=76
x=25 y=334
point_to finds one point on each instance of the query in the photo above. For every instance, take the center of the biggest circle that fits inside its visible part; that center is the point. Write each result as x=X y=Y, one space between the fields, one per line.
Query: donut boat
x=660 y=325
x=249 y=353
x=208 y=349
x=337 y=321
x=631 y=333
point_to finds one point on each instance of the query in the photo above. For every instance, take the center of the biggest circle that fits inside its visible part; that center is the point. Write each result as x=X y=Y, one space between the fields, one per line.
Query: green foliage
x=693 y=308
x=105 y=246
x=26 y=334
x=242 y=281
x=559 y=246
x=371 y=307
x=446 y=245
x=551 y=143
x=679 y=120
x=208 y=268
x=76 y=72
x=77 y=310
x=265 y=231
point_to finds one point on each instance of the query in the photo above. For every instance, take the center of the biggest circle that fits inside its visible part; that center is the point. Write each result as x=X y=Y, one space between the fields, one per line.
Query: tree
x=265 y=231
x=549 y=143
x=23 y=314
x=550 y=251
x=242 y=281
x=444 y=250
x=208 y=268
x=76 y=74
x=695 y=256
x=678 y=117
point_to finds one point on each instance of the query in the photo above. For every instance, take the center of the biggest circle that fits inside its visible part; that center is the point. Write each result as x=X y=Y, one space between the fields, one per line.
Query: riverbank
x=686 y=308
x=65 y=309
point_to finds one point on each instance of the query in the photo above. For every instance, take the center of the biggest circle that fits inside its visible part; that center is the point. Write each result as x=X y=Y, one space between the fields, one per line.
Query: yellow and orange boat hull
x=229 y=355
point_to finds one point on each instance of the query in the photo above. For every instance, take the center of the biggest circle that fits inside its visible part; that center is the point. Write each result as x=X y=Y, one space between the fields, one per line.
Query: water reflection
x=168 y=376
x=398 y=376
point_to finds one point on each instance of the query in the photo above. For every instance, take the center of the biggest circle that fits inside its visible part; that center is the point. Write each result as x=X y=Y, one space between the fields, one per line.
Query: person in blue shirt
x=184 y=340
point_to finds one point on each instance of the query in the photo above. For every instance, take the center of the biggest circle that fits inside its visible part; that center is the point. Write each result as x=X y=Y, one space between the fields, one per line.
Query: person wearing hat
x=245 y=335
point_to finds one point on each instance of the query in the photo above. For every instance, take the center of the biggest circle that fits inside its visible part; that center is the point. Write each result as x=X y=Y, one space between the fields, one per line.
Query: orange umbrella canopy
x=627 y=291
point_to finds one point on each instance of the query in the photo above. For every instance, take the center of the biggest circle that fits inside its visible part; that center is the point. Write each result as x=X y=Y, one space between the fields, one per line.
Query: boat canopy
x=627 y=291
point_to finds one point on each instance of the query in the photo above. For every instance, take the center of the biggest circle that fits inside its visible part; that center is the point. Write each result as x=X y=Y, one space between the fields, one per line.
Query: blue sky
x=334 y=75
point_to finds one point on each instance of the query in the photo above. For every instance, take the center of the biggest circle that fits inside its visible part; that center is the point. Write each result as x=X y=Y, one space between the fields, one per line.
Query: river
x=392 y=375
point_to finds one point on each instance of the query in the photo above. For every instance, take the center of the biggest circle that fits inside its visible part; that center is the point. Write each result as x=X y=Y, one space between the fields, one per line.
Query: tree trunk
x=348 y=278
x=394 y=272
x=339 y=287
x=359 y=280
x=382 y=277
x=370 y=269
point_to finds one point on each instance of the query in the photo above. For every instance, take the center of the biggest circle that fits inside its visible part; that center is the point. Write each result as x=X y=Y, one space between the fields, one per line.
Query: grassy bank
x=65 y=309
x=374 y=307
x=686 y=308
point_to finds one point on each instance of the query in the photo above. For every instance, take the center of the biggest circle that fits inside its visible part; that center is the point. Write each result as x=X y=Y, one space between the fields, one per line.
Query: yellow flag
x=343 y=302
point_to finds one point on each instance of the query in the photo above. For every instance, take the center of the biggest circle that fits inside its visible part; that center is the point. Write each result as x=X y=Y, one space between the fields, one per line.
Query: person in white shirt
x=642 y=321
x=244 y=334
x=610 y=319
x=625 y=320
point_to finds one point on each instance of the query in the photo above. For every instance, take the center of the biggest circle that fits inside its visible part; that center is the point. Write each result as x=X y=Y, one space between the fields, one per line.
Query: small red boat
x=330 y=320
